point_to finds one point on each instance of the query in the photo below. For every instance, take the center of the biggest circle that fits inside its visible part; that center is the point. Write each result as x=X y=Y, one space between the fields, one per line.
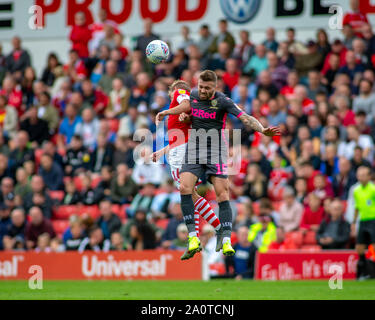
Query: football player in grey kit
x=209 y=110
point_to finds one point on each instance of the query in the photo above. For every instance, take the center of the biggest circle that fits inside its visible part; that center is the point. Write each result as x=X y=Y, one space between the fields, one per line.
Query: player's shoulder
x=179 y=92
x=194 y=93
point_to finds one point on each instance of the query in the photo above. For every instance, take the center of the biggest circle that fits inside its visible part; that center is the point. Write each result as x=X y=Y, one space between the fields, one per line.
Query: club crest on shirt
x=213 y=104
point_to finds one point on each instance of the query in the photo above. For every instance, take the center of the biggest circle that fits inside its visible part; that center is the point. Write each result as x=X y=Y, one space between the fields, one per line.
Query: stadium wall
x=16 y=18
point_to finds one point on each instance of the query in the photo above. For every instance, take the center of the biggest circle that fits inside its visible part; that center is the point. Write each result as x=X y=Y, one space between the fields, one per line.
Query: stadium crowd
x=68 y=177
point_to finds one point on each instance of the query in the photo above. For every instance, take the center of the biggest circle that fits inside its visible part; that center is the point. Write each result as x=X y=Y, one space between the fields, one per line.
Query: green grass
x=187 y=290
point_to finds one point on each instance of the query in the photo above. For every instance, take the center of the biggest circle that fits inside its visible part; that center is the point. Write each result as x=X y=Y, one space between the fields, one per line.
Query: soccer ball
x=157 y=51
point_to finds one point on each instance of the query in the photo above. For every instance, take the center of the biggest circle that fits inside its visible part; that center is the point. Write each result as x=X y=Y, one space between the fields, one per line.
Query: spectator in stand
x=270 y=43
x=314 y=85
x=93 y=98
x=231 y=75
x=205 y=40
x=322 y=187
x=71 y=195
x=300 y=187
x=48 y=112
x=346 y=148
x=142 y=92
x=52 y=70
x=5 y=222
x=108 y=221
x=218 y=59
x=186 y=41
x=144 y=39
x=279 y=72
x=88 y=129
x=22 y=151
x=334 y=233
x=88 y=195
x=358 y=159
x=80 y=35
x=245 y=50
x=290 y=211
x=22 y=186
x=309 y=61
x=255 y=186
x=258 y=62
x=143 y=200
x=16 y=231
x=170 y=232
x=345 y=115
x=124 y=151
x=118 y=100
x=28 y=86
x=117 y=242
x=109 y=37
x=286 y=58
x=355 y=18
x=365 y=101
x=223 y=36
x=75 y=68
x=102 y=154
x=139 y=218
x=352 y=69
x=312 y=214
x=330 y=165
x=369 y=37
x=37 y=226
x=68 y=125
x=160 y=204
x=19 y=59
x=142 y=237
x=38 y=196
x=349 y=36
x=77 y=157
x=123 y=187
x=111 y=73
x=73 y=236
x=331 y=72
x=36 y=128
x=343 y=179
x=51 y=173
x=322 y=41
x=181 y=241
x=13 y=93
x=8 y=118
x=95 y=241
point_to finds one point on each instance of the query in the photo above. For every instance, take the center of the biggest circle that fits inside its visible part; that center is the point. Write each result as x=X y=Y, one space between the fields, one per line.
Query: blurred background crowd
x=68 y=179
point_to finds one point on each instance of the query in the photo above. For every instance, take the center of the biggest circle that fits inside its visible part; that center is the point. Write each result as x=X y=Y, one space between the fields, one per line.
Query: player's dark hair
x=179 y=84
x=208 y=75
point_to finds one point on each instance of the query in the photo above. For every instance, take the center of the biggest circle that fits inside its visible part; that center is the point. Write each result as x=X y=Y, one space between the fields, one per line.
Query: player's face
x=206 y=89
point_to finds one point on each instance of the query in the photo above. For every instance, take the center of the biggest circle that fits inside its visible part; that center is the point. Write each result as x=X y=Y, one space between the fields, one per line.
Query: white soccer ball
x=157 y=51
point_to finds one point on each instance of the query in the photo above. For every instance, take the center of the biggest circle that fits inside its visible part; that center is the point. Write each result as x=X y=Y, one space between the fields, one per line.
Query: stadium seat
x=162 y=223
x=64 y=212
x=56 y=195
x=38 y=155
x=92 y=211
x=294 y=239
x=60 y=226
x=310 y=238
x=78 y=183
x=95 y=181
x=311 y=248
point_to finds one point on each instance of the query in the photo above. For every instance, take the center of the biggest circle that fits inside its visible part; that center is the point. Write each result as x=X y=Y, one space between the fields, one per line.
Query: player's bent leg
x=187 y=184
x=203 y=208
x=221 y=186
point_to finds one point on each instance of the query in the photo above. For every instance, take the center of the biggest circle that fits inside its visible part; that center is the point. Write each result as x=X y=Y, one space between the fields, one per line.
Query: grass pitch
x=186 y=290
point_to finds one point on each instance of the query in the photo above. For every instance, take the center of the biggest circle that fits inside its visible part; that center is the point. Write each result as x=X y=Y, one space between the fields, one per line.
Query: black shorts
x=217 y=170
x=366 y=232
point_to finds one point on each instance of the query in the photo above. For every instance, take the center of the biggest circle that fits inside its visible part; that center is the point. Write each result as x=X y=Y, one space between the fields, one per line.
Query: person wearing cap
x=312 y=60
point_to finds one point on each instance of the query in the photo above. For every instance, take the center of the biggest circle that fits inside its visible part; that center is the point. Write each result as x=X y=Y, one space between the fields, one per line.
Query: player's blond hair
x=179 y=84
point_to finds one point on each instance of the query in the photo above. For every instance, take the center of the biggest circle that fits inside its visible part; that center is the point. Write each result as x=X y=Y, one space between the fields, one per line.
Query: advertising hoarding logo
x=240 y=11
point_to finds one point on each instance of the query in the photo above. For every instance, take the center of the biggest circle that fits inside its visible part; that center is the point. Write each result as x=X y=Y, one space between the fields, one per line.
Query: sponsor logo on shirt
x=202 y=114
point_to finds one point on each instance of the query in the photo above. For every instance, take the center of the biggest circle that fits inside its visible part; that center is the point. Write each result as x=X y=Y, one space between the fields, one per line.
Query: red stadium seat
x=78 y=183
x=294 y=239
x=311 y=248
x=56 y=195
x=92 y=211
x=310 y=238
x=95 y=181
x=60 y=226
x=64 y=212
x=162 y=223
x=38 y=155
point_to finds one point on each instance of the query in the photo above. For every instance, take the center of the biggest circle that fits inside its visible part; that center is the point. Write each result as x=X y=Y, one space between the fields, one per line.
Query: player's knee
x=223 y=195
x=185 y=188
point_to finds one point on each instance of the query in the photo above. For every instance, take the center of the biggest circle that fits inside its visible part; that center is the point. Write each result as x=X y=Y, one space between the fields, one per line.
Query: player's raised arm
x=184 y=107
x=254 y=124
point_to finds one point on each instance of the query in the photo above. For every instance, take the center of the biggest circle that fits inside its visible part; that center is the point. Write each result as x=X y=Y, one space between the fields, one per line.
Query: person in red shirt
x=346 y=116
x=355 y=18
x=313 y=214
x=13 y=93
x=308 y=105
x=95 y=97
x=339 y=49
x=309 y=174
x=231 y=75
x=292 y=82
x=321 y=188
x=80 y=35
x=75 y=68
